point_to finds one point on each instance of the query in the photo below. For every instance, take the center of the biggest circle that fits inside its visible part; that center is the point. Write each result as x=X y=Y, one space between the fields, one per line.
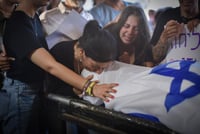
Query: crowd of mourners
x=42 y=52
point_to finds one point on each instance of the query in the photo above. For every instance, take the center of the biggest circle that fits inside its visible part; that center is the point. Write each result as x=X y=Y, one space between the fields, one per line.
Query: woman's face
x=188 y=5
x=93 y=66
x=129 y=31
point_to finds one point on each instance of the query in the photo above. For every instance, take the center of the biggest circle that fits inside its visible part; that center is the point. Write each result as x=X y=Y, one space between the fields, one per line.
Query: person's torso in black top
x=63 y=52
x=22 y=36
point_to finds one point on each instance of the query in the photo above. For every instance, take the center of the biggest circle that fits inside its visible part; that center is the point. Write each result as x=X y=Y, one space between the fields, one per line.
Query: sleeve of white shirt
x=51 y=19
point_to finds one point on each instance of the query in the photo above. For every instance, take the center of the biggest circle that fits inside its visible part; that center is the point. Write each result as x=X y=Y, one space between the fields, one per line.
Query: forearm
x=68 y=76
x=83 y=85
x=160 y=51
x=50 y=65
x=171 y=29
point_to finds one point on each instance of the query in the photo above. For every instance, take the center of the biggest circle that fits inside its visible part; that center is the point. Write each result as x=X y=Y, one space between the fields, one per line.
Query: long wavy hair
x=143 y=37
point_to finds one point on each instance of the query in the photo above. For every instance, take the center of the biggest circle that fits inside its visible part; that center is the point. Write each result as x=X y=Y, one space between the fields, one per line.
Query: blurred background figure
x=96 y=2
x=108 y=10
x=52 y=19
x=6 y=8
x=169 y=25
x=51 y=4
x=151 y=20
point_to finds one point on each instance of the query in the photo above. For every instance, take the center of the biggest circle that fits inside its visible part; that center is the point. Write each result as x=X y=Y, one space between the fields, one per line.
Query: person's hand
x=192 y=24
x=104 y=91
x=5 y=62
x=125 y=58
x=171 y=29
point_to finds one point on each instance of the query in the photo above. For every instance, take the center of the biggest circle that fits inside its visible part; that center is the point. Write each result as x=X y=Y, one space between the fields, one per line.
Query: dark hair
x=144 y=33
x=98 y=43
x=160 y=11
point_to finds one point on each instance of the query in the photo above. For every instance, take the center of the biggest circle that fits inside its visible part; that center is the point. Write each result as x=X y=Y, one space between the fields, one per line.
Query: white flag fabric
x=169 y=93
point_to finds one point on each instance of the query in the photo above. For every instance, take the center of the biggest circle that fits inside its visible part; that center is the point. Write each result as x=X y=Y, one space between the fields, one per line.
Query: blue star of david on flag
x=175 y=95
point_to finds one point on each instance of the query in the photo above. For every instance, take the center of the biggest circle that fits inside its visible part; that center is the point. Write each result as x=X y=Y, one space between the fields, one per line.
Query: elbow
x=51 y=68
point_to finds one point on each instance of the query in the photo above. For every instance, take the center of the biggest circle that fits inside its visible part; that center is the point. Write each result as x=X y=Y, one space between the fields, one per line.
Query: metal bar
x=116 y=121
x=89 y=123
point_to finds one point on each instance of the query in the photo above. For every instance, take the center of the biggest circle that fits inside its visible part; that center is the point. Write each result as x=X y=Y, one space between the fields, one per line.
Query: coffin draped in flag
x=168 y=93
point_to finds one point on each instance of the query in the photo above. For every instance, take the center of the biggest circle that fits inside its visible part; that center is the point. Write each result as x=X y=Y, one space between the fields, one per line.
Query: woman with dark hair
x=32 y=61
x=132 y=34
x=95 y=50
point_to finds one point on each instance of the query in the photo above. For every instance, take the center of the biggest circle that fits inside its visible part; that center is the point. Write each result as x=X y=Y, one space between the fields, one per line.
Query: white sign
x=186 y=46
x=62 y=27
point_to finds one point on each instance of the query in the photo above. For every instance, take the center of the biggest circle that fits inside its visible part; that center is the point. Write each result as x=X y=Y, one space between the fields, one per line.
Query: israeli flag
x=168 y=93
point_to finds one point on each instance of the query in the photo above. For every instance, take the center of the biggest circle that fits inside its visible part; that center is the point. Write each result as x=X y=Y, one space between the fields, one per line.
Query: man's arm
x=160 y=51
x=171 y=30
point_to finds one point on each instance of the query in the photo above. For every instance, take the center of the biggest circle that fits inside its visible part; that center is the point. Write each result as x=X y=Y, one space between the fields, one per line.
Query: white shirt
x=57 y=25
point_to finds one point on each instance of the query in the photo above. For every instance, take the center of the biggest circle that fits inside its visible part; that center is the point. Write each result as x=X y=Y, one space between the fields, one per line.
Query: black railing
x=104 y=120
